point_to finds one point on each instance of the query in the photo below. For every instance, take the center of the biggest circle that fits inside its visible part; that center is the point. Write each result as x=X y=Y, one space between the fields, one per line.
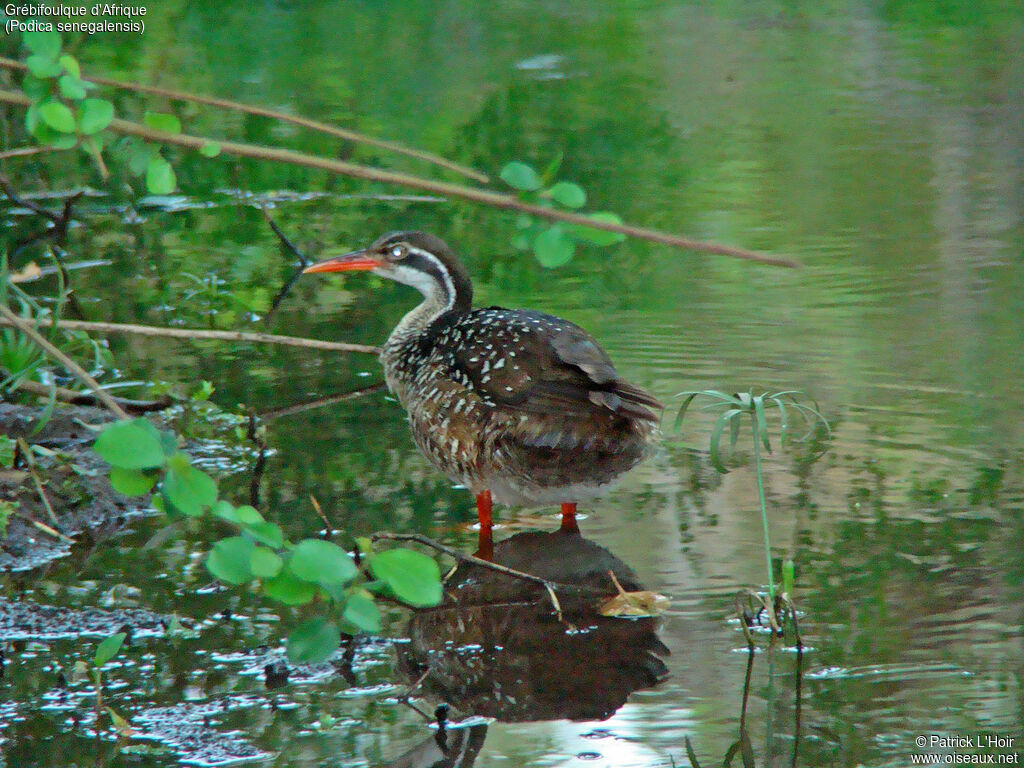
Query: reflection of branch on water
x=320 y=402
x=303 y=263
x=743 y=744
x=59 y=221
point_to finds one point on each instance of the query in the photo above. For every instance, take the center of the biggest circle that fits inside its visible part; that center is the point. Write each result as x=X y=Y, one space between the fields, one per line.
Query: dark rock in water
x=501 y=650
x=75 y=481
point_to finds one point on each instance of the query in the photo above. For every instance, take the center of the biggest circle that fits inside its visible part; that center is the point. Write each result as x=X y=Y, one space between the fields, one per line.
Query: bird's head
x=418 y=259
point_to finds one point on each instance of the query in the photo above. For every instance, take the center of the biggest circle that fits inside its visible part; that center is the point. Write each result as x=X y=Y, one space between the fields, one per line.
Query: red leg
x=484 y=513
x=484 y=508
x=569 y=517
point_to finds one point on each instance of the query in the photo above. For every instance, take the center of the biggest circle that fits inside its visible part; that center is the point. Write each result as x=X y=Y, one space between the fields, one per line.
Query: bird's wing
x=536 y=363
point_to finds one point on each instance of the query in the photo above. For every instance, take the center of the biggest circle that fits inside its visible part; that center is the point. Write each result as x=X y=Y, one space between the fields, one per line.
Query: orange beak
x=357 y=261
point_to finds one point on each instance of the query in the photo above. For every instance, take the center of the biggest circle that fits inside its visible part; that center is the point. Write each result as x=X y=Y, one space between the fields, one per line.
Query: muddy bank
x=73 y=479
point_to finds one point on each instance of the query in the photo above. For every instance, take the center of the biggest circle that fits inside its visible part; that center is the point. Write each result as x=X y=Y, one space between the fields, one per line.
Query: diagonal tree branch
x=196 y=333
x=493 y=199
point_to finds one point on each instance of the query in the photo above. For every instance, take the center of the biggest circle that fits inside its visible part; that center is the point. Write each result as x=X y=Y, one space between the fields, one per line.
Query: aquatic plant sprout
x=755 y=406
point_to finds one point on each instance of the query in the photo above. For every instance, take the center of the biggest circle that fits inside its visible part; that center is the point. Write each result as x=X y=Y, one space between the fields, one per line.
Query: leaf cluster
x=748 y=404
x=293 y=573
x=553 y=244
x=62 y=115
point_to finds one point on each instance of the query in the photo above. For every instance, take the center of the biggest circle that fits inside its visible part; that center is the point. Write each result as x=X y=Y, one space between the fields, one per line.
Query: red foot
x=484 y=513
x=569 y=518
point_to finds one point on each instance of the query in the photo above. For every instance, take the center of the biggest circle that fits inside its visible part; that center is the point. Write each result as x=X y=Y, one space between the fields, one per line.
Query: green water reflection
x=881 y=144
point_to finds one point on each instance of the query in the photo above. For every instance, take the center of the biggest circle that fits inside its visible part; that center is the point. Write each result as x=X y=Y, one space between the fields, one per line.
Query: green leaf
x=32 y=121
x=35 y=88
x=788 y=576
x=554 y=247
x=716 y=436
x=682 y=410
x=45 y=44
x=762 y=424
x=57 y=116
x=71 y=87
x=522 y=242
x=161 y=121
x=362 y=611
x=94 y=115
x=230 y=560
x=131 y=444
x=160 y=179
x=265 y=563
x=55 y=139
x=598 y=236
x=568 y=194
x=266 y=533
x=521 y=176
x=412 y=576
x=139 y=155
x=131 y=482
x=784 y=429
x=322 y=562
x=7 y=449
x=313 y=641
x=210 y=149
x=247 y=515
x=189 y=489
x=70 y=64
x=551 y=170
x=108 y=648
x=289 y=589
x=42 y=67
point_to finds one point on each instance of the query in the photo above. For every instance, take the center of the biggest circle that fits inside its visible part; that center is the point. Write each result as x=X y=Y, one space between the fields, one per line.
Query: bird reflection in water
x=503 y=648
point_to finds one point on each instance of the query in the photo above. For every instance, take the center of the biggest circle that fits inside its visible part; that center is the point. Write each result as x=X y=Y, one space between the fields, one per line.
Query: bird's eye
x=398 y=252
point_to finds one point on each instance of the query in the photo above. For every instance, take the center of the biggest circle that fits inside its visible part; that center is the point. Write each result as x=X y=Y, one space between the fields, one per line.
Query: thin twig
x=493 y=199
x=74 y=368
x=26 y=452
x=314 y=125
x=44 y=527
x=198 y=333
x=458 y=555
x=75 y=397
x=407 y=694
x=554 y=601
x=320 y=513
x=24 y=152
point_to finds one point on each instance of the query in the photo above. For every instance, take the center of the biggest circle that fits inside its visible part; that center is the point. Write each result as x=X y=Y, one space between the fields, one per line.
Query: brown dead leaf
x=635 y=604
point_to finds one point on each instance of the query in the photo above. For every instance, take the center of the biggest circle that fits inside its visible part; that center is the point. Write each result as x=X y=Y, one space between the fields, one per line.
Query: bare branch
x=196 y=333
x=75 y=397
